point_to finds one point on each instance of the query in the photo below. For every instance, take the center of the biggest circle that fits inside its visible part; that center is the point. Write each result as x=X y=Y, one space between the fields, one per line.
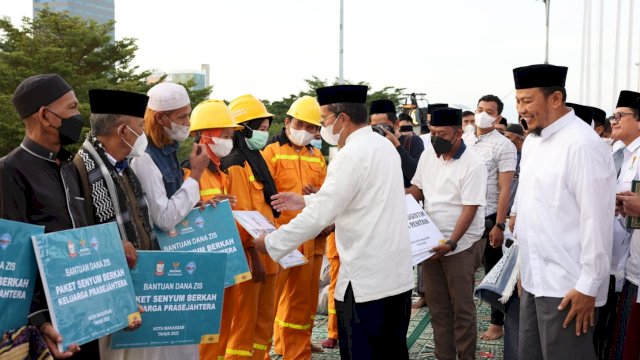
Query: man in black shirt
x=39 y=184
x=384 y=121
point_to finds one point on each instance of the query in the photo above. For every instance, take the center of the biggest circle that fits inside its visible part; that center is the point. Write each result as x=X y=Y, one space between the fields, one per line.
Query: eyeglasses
x=324 y=119
x=617 y=116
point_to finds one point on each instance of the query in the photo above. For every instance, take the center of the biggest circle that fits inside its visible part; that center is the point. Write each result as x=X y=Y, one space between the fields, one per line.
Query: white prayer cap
x=167 y=96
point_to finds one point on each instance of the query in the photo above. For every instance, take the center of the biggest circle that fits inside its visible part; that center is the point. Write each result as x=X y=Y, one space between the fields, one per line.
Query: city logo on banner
x=72 y=249
x=199 y=222
x=160 y=268
x=5 y=240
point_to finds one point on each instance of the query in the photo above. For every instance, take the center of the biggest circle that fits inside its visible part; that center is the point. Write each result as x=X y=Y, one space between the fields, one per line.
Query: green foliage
x=81 y=51
x=279 y=108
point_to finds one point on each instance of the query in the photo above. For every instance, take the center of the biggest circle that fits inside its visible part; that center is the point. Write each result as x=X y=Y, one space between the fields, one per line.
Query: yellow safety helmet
x=306 y=109
x=248 y=107
x=212 y=114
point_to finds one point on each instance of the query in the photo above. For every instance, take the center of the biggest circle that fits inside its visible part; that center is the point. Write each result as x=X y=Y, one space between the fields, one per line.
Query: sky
x=455 y=51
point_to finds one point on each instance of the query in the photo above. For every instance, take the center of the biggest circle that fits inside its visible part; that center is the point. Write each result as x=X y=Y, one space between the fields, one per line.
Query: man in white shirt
x=452 y=181
x=624 y=307
x=500 y=157
x=363 y=194
x=565 y=204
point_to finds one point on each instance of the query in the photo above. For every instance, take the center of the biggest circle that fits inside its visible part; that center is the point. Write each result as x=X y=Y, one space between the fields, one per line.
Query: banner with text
x=423 y=233
x=18 y=271
x=86 y=281
x=210 y=230
x=181 y=294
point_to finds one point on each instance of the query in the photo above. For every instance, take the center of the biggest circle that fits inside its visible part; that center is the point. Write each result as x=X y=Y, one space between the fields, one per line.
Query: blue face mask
x=258 y=140
x=316 y=143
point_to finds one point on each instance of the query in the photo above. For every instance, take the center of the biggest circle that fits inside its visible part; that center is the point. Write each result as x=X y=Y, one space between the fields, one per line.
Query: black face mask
x=406 y=128
x=441 y=145
x=70 y=129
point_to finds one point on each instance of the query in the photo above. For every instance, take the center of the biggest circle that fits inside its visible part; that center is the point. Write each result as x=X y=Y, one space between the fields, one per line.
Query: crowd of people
x=561 y=179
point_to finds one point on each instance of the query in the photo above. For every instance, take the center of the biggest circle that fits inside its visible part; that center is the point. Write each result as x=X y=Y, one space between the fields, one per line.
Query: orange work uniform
x=215 y=182
x=297 y=296
x=254 y=310
x=334 y=265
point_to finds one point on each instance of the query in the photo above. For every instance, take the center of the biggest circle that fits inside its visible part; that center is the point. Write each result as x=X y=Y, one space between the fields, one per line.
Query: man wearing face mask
x=500 y=158
x=39 y=184
x=112 y=189
x=213 y=126
x=451 y=180
x=363 y=195
x=297 y=167
x=382 y=116
x=166 y=124
x=468 y=121
x=425 y=130
x=251 y=182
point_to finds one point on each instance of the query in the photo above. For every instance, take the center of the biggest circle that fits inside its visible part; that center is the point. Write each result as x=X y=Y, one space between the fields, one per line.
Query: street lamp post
x=546 y=49
x=341 y=70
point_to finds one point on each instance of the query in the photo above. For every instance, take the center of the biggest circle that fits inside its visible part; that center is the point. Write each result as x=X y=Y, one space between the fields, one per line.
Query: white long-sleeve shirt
x=165 y=212
x=363 y=194
x=566 y=200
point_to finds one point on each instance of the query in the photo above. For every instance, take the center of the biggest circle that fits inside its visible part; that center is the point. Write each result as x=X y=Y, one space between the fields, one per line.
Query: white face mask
x=178 y=132
x=484 y=120
x=222 y=147
x=469 y=128
x=328 y=136
x=300 y=137
x=138 y=147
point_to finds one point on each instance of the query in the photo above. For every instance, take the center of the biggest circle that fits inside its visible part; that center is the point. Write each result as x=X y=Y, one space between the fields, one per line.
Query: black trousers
x=491 y=257
x=90 y=351
x=374 y=329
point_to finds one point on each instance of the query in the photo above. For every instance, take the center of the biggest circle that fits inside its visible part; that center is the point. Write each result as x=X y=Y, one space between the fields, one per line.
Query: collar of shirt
x=40 y=151
x=558 y=124
x=171 y=148
x=116 y=163
x=360 y=132
x=631 y=148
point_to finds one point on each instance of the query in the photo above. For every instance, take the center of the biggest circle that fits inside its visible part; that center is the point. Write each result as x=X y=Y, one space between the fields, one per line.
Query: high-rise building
x=99 y=10
x=200 y=78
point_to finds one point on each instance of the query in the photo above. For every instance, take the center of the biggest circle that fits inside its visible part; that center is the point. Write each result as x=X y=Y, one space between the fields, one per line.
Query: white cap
x=167 y=96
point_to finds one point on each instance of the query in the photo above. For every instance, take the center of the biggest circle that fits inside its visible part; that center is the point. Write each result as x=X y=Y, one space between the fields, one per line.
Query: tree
x=279 y=108
x=81 y=51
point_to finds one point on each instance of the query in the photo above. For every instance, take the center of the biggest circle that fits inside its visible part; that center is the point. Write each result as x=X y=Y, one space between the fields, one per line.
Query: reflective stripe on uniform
x=332 y=311
x=293 y=326
x=259 y=346
x=297 y=157
x=239 y=352
x=207 y=192
x=252 y=178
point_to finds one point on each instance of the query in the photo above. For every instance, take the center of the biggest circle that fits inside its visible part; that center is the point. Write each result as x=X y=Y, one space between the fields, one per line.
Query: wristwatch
x=453 y=244
x=501 y=226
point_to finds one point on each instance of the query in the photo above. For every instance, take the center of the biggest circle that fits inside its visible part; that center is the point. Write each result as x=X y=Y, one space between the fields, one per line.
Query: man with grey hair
x=112 y=190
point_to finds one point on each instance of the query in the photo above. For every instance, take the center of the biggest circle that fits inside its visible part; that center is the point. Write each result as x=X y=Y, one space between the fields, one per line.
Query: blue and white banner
x=85 y=277
x=210 y=230
x=181 y=294
x=18 y=271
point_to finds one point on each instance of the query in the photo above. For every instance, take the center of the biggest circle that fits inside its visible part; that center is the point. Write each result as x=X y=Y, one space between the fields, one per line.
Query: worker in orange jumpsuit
x=296 y=166
x=213 y=125
x=251 y=182
x=334 y=266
